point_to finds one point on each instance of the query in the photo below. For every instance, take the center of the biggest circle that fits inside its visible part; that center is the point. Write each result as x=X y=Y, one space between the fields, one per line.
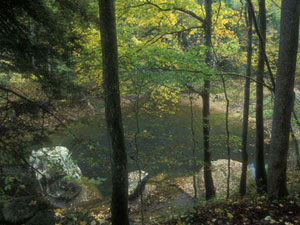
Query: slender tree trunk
x=136 y=145
x=262 y=40
x=119 y=202
x=260 y=172
x=227 y=139
x=32 y=33
x=296 y=148
x=194 y=146
x=284 y=98
x=243 y=182
x=209 y=184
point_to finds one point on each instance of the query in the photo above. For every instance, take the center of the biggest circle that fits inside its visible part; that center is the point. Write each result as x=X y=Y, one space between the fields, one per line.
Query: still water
x=165 y=142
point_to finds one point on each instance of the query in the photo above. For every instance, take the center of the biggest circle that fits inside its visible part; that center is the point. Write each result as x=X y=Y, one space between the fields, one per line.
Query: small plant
x=97 y=180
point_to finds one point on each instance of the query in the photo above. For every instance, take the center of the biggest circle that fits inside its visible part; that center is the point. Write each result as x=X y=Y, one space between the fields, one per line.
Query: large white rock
x=46 y=160
x=58 y=176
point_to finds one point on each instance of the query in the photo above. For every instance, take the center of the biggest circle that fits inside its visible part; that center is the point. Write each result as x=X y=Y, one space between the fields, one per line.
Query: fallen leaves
x=247 y=211
x=229 y=215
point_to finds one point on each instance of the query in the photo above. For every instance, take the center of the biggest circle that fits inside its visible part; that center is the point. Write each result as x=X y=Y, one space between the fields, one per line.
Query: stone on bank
x=58 y=176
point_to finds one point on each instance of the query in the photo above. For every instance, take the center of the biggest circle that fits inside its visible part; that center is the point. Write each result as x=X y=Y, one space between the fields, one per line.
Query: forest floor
x=252 y=209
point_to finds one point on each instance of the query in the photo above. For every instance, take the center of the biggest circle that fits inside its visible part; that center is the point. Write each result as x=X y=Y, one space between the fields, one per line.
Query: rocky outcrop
x=21 y=209
x=58 y=176
x=42 y=217
x=53 y=180
x=54 y=161
x=21 y=198
x=219 y=174
x=29 y=210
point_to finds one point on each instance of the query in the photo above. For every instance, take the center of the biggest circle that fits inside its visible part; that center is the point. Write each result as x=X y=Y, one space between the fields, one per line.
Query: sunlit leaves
x=88 y=66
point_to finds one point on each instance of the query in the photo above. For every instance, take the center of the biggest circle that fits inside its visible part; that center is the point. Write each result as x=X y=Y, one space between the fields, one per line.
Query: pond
x=165 y=142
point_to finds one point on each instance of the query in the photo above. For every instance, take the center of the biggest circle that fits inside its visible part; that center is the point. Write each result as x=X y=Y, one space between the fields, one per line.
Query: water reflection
x=165 y=145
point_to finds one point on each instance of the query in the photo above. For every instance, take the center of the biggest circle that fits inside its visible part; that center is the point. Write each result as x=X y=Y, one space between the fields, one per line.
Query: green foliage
x=50 y=50
x=268 y=113
x=9 y=185
x=80 y=217
x=97 y=180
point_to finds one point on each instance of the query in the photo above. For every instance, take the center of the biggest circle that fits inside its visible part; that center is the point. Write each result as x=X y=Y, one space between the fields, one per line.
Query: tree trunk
x=284 y=98
x=243 y=182
x=227 y=140
x=296 y=144
x=119 y=202
x=209 y=184
x=194 y=146
x=260 y=172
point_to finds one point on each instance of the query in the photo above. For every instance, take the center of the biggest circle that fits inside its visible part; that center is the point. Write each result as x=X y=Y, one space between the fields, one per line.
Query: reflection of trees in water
x=165 y=141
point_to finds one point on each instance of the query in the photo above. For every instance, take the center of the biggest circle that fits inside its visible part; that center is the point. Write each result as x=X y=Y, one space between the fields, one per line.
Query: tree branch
x=43 y=108
x=182 y=10
x=157 y=37
x=218 y=74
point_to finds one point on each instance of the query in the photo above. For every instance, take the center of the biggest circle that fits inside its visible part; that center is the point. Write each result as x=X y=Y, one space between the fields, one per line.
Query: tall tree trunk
x=284 y=98
x=209 y=184
x=243 y=182
x=260 y=172
x=119 y=202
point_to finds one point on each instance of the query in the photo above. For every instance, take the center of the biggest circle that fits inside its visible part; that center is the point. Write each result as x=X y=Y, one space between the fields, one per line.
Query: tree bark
x=260 y=172
x=284 y=98
x=194 y=146
x=243 y=181
x=227 y=140
x=296 y=144
x=119 y=202
x=209 y=184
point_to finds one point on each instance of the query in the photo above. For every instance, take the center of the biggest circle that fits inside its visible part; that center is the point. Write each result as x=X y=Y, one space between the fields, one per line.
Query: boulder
x=43 y=217
x=219 y=174
x=21 y=209
x=21 y=199
x=59 y=177
x=136 y=183
x=54 y=161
